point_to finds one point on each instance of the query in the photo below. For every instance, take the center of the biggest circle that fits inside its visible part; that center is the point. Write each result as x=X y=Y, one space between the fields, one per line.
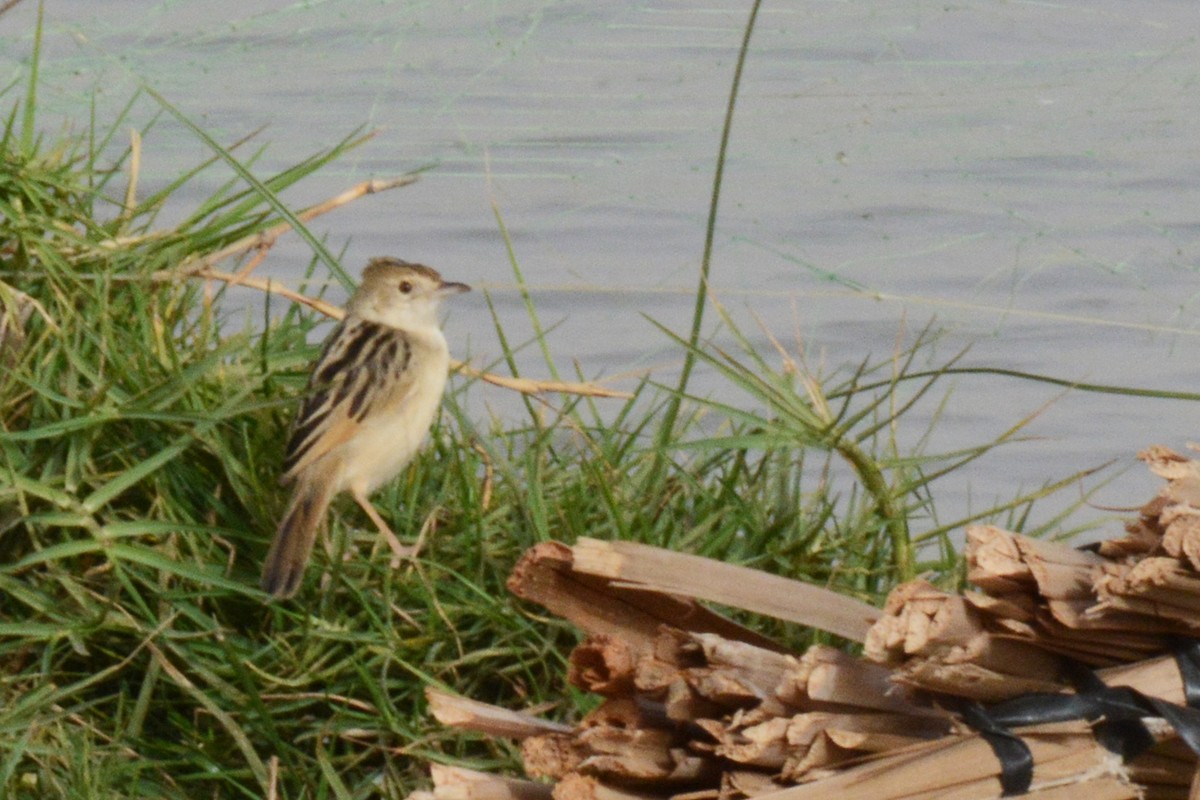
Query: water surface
x=1027 y=173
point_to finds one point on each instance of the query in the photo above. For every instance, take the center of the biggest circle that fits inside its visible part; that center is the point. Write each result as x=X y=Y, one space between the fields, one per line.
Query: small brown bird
x=372 y=396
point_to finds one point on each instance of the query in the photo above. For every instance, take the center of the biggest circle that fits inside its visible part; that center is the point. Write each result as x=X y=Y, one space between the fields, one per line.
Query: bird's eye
x=405 y=287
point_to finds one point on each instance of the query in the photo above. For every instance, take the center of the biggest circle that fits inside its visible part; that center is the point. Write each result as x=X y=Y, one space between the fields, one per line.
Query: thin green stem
x=29 y=115
x=890 y=512
x=523 y=287
x=666 y=432
x=1081 y=386
x=258 y=186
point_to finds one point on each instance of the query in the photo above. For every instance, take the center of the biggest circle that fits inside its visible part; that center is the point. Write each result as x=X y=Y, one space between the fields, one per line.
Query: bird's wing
x=363 y=367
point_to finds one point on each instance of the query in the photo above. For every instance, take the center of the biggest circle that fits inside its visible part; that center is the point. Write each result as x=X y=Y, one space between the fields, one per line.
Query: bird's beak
x=447 y=287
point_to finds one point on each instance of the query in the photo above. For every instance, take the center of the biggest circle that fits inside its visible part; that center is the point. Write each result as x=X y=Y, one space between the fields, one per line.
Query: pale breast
x=399 y=418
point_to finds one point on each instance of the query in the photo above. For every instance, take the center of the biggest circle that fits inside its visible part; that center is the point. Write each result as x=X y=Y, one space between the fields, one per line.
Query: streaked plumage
x=372 y=396
x=361 y=365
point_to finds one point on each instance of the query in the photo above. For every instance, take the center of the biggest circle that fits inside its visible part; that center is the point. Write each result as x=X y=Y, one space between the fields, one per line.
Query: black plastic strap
x=1016 y=760
x=1187 y=658
x=1119 y=710
x=1185 y=721
x=1123 y=734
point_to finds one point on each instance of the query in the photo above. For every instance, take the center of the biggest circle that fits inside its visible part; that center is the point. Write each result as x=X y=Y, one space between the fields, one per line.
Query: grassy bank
x=142 y=431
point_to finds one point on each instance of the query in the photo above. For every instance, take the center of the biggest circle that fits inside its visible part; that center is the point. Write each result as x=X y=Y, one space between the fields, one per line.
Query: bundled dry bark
x=1042 y=601
x=697 y=707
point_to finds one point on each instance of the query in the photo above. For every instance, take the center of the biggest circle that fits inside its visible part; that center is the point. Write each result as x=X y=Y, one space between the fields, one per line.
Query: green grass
x=141 y=434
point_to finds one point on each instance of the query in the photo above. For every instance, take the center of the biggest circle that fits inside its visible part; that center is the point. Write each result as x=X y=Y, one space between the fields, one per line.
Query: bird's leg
x=399 y=550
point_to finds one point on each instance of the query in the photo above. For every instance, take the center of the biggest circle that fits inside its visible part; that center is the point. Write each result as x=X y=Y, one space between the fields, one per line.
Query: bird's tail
x=284 y=567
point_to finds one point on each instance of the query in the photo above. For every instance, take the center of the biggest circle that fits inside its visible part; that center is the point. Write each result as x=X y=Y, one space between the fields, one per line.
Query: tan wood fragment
x=1156 y=612
x=870 y=741
x=1184 y=490
x=738 y=783
x=586 y=787
x=652 y=676
x=1181 y=532
x=683 y=703
x=957 y=767
x=1162 y=769
x=1008 y=656
x=551 y=755
x=994 y=562
x=804 y=728
x=728 y=584
x=1102 y=787
x=629 y=754
x=729 y=673
x=1084 y=618
x=764 y=745
x=758 y=666
x=458 y=783
x=968 y=680
x=1189 y=533
x=920 y=619
x=826 y=676
x=1099 y=649
x=726 y=688
x=624 y=712
x=466 y=714
x=1142 y=536
x=604 y=665
x=627 y=769
x=1017 y=607
x=1157 y=677
x=1167 y=463
x=1159 y=579
x=546 y=574
x=1062 y=572
x=821 y=755
x=703 y=794
x=1058 y=570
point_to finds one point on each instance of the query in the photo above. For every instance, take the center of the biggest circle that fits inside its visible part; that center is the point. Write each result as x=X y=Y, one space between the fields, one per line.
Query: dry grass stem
x=264 y=240
x=527 y=386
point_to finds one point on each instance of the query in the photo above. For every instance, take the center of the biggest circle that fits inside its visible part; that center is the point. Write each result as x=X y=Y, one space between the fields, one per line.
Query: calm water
x=1025 y=172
